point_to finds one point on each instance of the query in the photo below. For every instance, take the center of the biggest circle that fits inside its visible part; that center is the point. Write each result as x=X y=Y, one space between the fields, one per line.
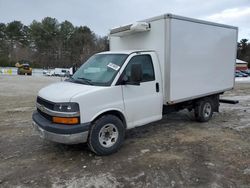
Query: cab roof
x=125 y=52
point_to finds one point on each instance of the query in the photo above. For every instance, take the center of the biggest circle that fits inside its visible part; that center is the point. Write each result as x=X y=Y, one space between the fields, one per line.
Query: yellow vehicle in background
x=24 y=69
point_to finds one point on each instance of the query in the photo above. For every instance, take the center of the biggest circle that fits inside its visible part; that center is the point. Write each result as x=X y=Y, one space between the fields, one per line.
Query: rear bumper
x=66 y=134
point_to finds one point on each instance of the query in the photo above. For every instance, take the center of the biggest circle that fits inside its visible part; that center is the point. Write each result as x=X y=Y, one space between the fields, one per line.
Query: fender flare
x=114 y=111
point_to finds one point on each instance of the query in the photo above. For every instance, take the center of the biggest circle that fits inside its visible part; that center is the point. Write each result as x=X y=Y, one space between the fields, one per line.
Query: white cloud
x=236 y=16
x=230 y=15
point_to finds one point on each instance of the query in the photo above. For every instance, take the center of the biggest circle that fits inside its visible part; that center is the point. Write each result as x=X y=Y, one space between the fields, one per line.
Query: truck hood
x=64 y=91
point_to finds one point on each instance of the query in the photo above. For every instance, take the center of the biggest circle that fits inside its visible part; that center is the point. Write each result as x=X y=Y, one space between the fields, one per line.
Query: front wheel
x=106 y=135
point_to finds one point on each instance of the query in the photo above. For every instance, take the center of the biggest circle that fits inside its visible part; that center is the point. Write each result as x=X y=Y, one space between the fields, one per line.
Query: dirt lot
x=174 y=152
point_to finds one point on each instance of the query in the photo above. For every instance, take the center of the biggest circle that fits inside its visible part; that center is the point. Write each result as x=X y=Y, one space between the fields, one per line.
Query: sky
x=102 y=15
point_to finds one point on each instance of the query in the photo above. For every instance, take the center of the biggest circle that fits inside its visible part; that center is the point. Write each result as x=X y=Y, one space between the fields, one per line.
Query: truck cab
x=111 y=92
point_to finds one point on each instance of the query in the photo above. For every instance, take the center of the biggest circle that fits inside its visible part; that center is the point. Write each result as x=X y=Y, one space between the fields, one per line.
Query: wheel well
x=214 y=100
x=115 y=113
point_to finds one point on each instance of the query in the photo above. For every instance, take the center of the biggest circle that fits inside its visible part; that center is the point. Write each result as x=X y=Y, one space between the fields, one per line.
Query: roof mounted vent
x=140 y=26
x=130 y=29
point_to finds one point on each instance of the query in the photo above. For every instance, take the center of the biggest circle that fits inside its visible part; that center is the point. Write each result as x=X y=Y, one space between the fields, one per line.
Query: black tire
x=204 y=110
x=96 y=141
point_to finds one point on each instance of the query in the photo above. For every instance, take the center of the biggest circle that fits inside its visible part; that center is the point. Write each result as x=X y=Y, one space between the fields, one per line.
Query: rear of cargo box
x=200 y=58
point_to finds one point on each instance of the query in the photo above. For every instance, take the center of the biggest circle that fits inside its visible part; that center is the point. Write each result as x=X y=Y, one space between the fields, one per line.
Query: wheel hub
x=207 y=110
x=108 y=135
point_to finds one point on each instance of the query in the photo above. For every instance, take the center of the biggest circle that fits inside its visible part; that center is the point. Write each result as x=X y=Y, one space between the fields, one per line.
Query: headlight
x=66 y=107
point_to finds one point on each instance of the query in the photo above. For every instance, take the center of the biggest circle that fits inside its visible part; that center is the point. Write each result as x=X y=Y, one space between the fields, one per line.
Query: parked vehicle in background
x=61 y=72
x=45 y=72
x=154 y=67
x=24 y=69
x=240 y=74
x=50 y=73
x=246 y=72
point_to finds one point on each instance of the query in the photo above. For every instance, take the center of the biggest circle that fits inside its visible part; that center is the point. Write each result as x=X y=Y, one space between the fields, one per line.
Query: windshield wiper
x=88 y=81
x=80 y=80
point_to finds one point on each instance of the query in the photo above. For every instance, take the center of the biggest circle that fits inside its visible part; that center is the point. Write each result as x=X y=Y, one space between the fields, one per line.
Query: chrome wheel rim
x=207 y=110
x=108 y=135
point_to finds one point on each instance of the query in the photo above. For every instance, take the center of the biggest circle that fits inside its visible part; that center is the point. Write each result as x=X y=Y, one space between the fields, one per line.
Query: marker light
x=66 y=120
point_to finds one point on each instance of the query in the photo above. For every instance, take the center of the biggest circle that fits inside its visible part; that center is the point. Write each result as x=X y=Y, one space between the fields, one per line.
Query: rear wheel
x=204 y=110
x=106 y=135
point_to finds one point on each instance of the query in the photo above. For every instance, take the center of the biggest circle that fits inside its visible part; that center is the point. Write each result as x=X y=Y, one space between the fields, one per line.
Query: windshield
x=100 y=69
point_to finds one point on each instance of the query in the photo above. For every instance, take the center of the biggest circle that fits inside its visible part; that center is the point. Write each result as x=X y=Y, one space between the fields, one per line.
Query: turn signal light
x=66 y=120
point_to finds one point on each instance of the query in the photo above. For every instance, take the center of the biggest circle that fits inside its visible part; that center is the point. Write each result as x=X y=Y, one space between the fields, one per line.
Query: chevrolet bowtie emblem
x=42 y=108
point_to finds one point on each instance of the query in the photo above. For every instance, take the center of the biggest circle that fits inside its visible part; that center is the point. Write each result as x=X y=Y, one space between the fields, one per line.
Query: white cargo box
x=197 y=58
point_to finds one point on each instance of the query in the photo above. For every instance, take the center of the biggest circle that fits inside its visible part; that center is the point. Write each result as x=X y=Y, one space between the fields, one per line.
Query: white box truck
x=155 y=66
x=62 y=72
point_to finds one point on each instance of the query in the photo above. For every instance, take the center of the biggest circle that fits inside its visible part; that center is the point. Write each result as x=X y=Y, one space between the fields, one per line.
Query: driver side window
x=147 y=67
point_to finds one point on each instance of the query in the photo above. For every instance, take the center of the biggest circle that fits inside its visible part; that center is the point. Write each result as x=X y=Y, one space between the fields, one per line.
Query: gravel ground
x=173 y=152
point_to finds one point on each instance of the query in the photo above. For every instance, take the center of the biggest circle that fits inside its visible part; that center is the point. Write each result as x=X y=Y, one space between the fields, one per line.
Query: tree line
x=48 y=44
x=243 y=51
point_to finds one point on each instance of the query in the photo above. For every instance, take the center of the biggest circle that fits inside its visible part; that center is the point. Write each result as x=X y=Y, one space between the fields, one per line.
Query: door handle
x=157 y=87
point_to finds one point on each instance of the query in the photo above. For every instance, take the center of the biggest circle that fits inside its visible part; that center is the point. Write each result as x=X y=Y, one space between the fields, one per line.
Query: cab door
x=143 y=102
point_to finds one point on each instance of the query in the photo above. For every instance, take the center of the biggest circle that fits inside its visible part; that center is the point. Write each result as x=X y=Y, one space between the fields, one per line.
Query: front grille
x=47 y=104
x=46 y=116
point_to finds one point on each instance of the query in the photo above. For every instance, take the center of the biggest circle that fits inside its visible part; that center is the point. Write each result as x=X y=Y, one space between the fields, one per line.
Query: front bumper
x=66 y=134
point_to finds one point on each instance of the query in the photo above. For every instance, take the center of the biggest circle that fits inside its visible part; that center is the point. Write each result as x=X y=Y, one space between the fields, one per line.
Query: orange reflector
x=65 y=120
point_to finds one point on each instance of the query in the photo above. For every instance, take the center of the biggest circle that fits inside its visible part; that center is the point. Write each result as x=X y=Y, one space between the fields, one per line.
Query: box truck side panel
x=202 y=59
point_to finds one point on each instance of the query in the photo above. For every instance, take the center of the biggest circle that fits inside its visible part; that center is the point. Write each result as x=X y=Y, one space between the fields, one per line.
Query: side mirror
x=136 y=73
